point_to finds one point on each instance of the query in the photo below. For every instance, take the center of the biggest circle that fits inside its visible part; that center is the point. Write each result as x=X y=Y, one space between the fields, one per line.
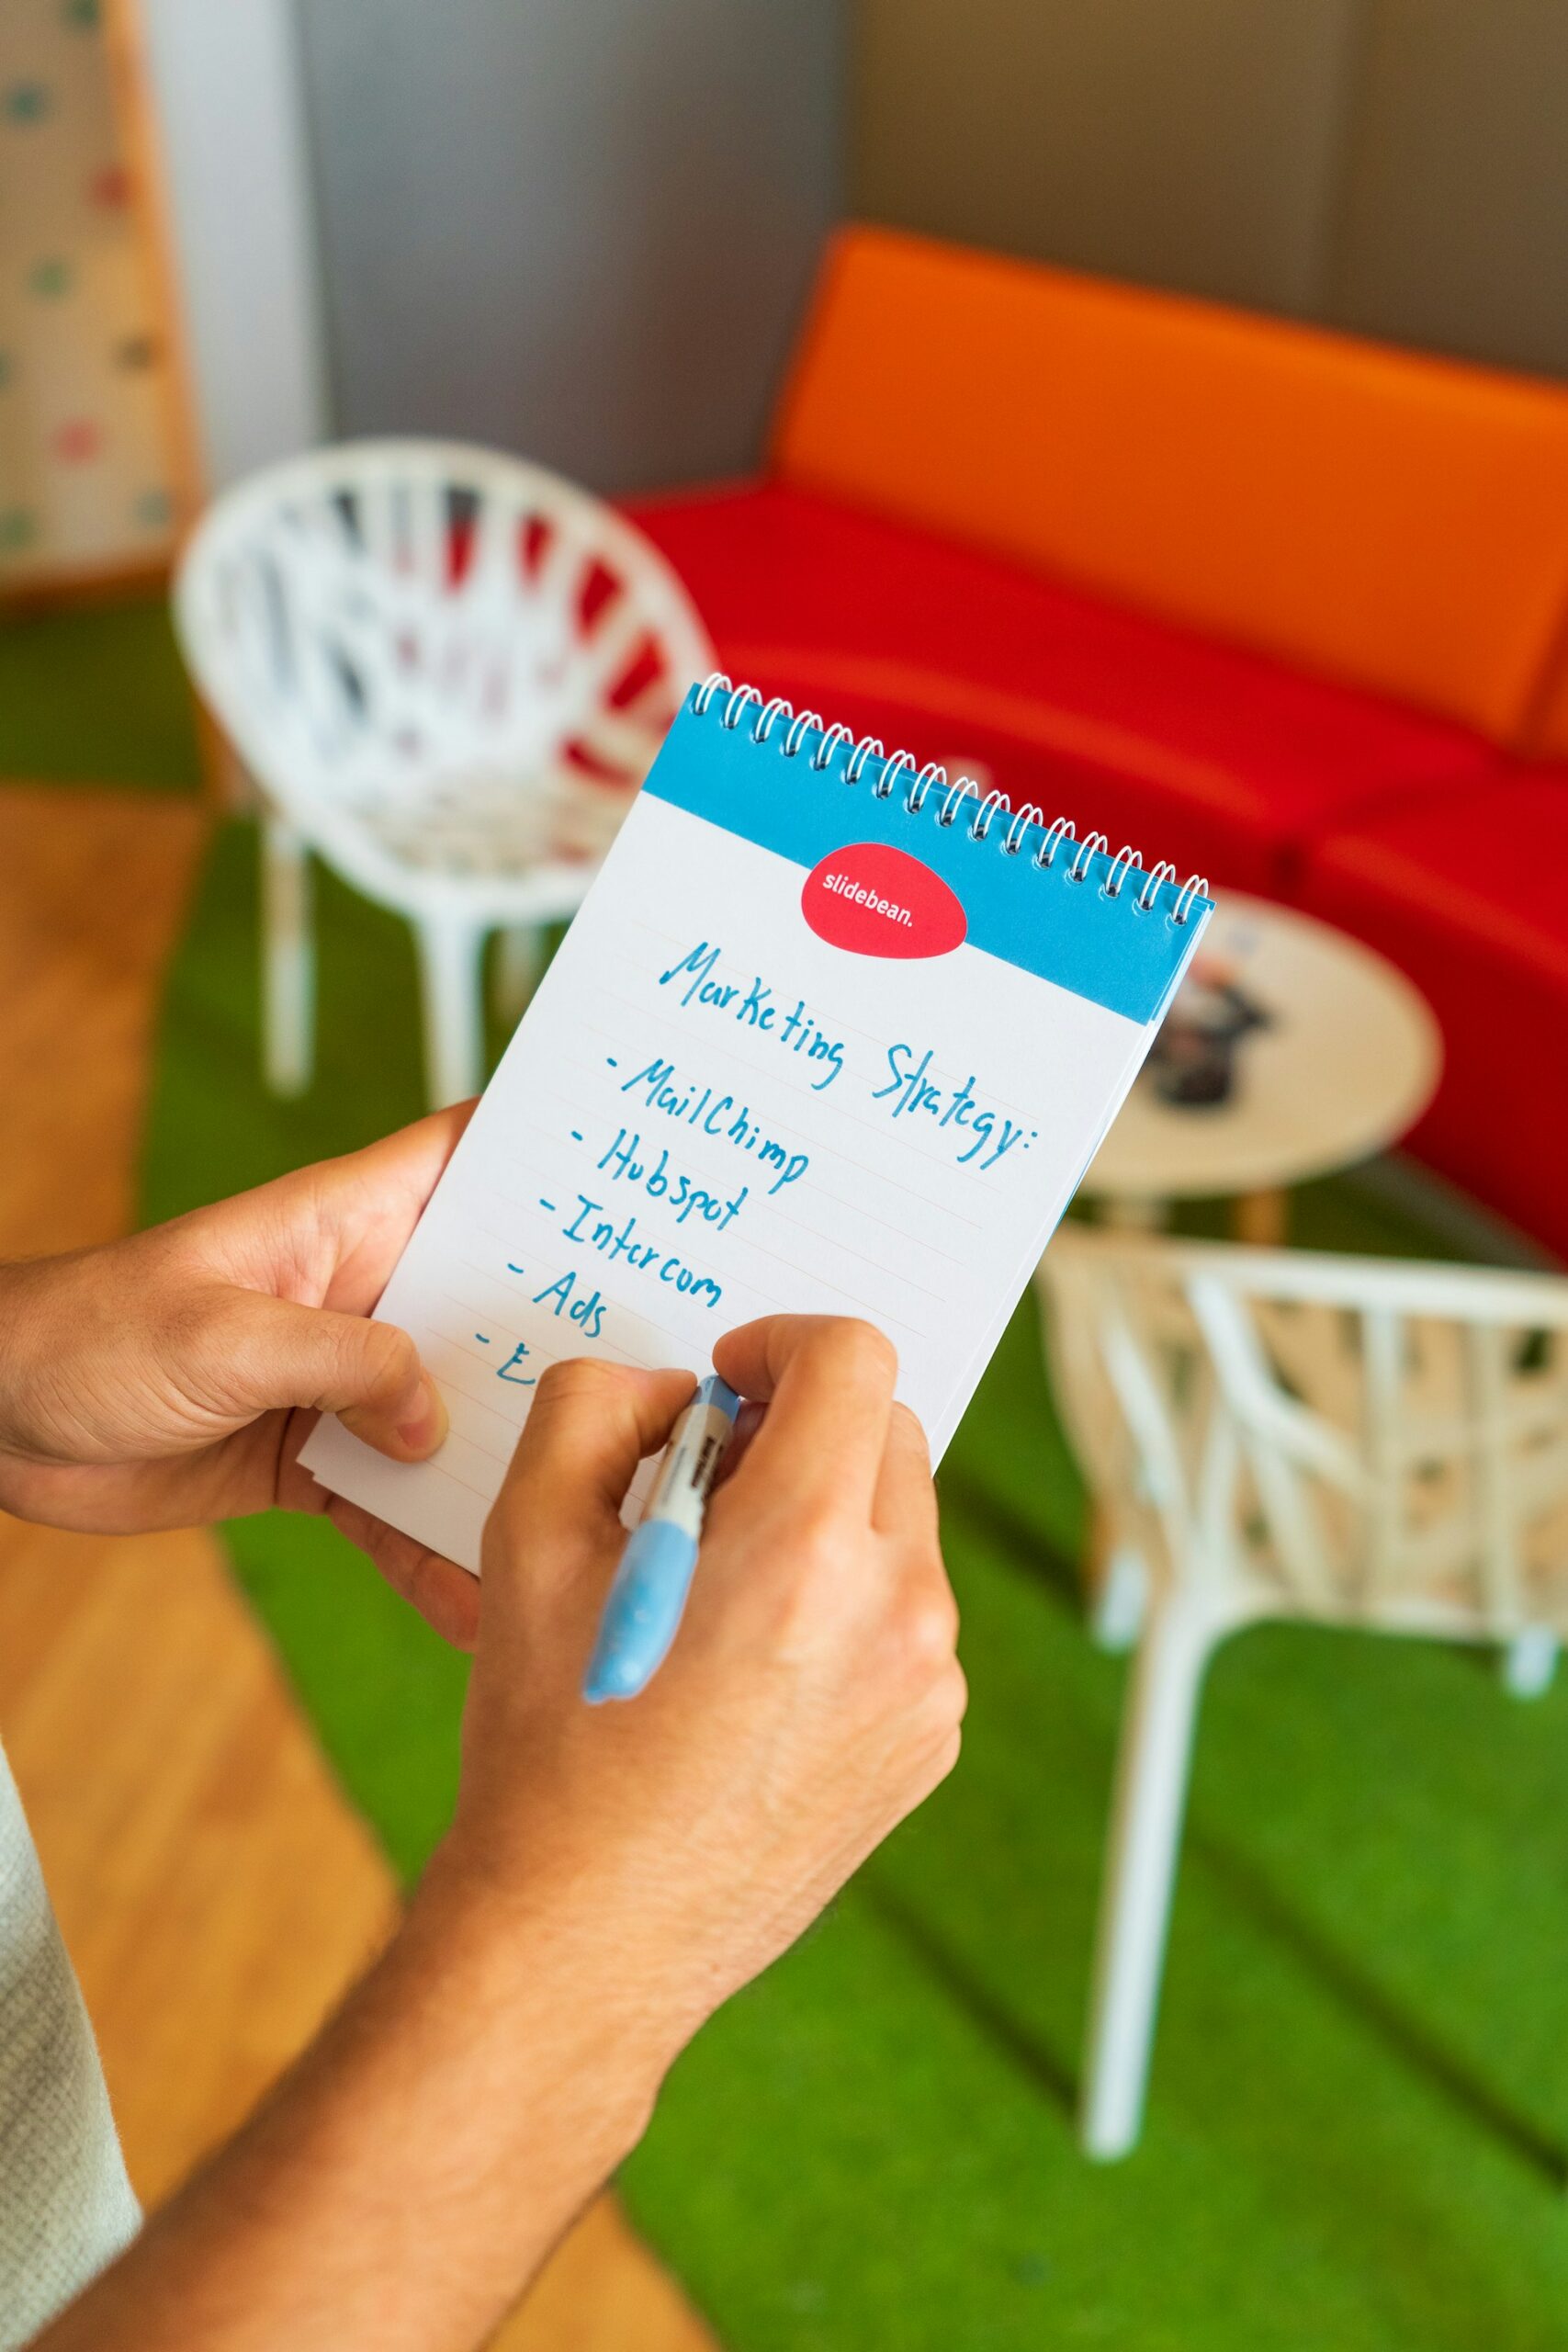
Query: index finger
x=827 y=1384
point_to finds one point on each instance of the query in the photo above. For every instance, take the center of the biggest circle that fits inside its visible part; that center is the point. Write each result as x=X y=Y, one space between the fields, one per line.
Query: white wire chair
x=447 y=671
x=1285 y=1434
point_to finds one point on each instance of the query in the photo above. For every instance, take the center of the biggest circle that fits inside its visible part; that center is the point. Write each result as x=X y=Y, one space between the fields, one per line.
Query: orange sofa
x=1280 y=606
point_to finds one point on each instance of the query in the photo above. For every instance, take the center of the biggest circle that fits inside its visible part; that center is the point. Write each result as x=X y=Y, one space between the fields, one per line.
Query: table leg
x=1262 y=1218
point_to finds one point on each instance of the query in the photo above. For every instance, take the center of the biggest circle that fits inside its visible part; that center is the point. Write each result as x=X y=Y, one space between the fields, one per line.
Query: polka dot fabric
x=84 y=447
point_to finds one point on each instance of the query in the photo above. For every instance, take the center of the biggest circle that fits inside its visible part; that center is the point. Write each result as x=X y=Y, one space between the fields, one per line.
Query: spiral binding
x=933 y=778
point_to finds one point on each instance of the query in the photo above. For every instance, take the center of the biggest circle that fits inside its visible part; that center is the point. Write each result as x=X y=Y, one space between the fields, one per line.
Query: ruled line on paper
x=451 y=1387
x=494 y=1268
x=867 y=1037
x=895 y=1273
x=797 y=1263
x=537 y=1352
x=909 y=1140
x=521 y=1212
x=441 y=1466
x=536 y=1348
x=672 y=940
x=807 y=1141
x=631 y=1314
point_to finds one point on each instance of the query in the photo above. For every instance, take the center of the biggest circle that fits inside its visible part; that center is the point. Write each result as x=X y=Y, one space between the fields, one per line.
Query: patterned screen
x=84 y=474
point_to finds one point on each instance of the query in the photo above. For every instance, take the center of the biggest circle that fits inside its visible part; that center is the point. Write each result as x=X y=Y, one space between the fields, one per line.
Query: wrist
x=52 y=1318
x=17 y=1284
x=553 y=1959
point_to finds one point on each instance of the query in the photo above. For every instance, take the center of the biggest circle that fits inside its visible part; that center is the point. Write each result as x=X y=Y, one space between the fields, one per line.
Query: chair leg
x=450 y=954
x=288 y=960
x=1151 y=1793
x=1529 y=1661
x=1119 y=1594
x=516 y=967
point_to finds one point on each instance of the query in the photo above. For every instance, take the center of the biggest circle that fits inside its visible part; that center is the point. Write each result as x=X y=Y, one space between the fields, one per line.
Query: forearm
x=412 y=2174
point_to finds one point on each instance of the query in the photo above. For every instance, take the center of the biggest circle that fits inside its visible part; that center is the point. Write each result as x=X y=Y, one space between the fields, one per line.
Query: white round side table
x=1347 y=1064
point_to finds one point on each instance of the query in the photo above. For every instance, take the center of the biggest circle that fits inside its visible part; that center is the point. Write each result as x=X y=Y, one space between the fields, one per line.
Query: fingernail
x=428 y=1424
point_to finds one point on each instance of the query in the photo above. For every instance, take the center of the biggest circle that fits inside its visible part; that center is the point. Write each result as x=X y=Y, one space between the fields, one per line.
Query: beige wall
x=1397 y=167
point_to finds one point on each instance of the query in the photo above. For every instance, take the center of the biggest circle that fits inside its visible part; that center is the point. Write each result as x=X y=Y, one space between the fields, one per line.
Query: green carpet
x=97 y=697
x=1359 y=2102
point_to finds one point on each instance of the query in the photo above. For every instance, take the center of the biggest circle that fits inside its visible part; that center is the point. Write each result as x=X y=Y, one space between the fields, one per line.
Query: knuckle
x=819 y=1534
x=818 y=1563
x=200 y=1344
x=852 y=1349
x=194 y=1319
x=499 y=1530
x=577 y=1379
x=866 y=1352
x=390 y=1357
x=812 y=1545
x=939 y=1729
x=815 y=1602
x=909 y=1429
x=578 y=1406
x=930 y=1631
x=510 y=1519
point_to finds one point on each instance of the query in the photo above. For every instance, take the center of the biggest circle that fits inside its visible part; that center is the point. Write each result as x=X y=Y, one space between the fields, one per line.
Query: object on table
x=1344 y=1071
x=1193 y=1064
x=447 y=673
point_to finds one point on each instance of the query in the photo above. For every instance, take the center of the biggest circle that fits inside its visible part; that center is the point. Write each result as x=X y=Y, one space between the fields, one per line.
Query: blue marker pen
x=649 y=1594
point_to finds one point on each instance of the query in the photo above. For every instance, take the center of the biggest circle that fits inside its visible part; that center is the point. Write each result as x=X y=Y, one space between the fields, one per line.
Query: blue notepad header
x=1074 y=934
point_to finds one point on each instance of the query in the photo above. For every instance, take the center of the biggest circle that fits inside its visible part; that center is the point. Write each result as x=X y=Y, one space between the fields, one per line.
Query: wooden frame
x=44 y=583
x=125 y=43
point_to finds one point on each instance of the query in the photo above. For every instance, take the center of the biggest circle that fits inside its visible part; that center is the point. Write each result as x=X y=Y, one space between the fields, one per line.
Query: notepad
x=830 y=1033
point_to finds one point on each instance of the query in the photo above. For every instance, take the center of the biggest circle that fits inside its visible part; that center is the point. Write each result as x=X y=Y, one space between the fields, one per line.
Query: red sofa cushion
x=1219 y=759
x=1467 y=898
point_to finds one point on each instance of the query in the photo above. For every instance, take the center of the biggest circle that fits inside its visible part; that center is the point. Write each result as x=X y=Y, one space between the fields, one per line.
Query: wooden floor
x=215 y=1892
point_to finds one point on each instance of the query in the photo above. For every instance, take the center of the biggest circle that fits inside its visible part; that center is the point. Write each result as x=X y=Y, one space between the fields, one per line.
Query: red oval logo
x=877 y=900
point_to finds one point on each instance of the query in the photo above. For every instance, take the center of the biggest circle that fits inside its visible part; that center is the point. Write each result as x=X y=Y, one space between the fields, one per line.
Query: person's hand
x=170 y=1379
x=811 y=1698
x=612 y=1874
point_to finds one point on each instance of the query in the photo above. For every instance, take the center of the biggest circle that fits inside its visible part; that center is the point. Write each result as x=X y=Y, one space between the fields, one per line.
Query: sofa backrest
x=1392 y=520
x=1546 y=733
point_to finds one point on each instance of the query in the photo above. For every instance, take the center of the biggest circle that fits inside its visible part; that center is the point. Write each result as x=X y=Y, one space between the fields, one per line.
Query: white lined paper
x=883 y=1221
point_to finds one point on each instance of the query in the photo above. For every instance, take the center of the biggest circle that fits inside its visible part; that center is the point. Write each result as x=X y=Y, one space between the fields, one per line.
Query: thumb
x=590 y=1424
x=368 y=1374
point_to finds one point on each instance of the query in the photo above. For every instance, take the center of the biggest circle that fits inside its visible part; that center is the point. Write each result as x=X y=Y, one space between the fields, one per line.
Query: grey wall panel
x=1454 y=224
x=1193 y=144
x=582 y=228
